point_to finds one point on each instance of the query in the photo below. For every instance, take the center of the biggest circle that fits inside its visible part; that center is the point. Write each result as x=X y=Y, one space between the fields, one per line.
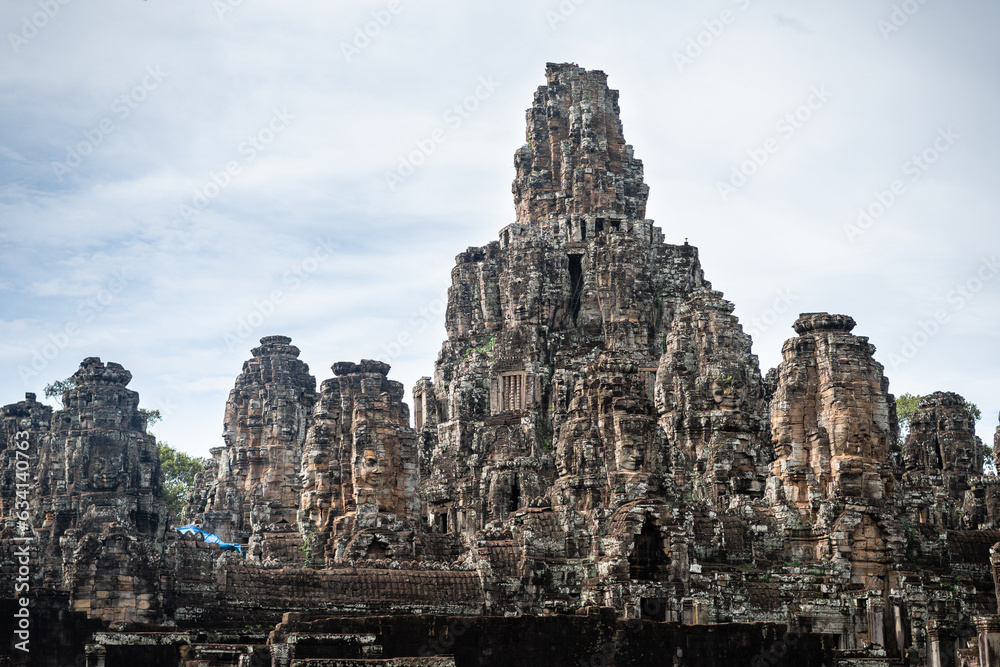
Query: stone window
x=694 y=612
x=418 y=411
x=438 y=518
x=512 y=392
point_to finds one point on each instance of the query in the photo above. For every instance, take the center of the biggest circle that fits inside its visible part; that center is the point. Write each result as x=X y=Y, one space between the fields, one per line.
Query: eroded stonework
x=830 y=416
x=94 y=495
x=712 y=402
x=360 y=475
x=942 y=451
x=596 y=456
x=254 y=498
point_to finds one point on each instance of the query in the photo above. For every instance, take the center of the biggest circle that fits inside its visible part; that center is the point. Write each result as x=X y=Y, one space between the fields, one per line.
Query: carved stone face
x=954 y=421
x=727 y=389
x=630 y=453
x=577 y=447
x=369 y=475
x=962 y=456
x=106 y=465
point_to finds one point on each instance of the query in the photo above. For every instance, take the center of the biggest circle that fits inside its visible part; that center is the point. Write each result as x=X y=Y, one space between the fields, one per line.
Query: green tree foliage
x=179 y=470
x=152 y=416
x=56 y=389
x=906 y=405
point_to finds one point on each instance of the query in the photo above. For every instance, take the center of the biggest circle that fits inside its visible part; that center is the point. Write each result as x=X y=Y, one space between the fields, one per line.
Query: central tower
x=543 y=392
x=576 y=175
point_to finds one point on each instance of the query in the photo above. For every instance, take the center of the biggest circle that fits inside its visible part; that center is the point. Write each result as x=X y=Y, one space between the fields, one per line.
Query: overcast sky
x=181 y=177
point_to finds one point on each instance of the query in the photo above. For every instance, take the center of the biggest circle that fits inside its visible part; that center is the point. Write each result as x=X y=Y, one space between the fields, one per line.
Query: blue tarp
x=210 y=537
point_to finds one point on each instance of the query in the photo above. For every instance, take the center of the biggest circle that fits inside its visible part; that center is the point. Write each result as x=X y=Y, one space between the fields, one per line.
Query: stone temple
x=596 y=473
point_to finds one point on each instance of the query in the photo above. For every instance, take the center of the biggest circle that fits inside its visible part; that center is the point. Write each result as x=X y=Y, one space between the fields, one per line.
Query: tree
x=179 y=470
x=906 y=405
x=57 y=388
x=152 y=416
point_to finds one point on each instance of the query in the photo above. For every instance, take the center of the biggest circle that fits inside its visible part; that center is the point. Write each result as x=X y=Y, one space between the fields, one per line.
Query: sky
x=181 y=177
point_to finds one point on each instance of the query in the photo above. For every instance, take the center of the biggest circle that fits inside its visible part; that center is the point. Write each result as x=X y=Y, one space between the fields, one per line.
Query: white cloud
x=323 y=176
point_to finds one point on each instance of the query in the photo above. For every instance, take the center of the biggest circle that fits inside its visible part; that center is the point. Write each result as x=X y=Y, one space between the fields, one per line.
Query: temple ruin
x=596 y=472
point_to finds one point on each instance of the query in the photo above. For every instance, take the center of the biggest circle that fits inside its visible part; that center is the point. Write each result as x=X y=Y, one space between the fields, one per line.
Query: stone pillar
x=711 y=400
x=902 y=634
x=281 y=655
x=995 y=568
x=940 y=643
x=424 y=404
x=700 y=613
x=989 y=640
x=876 y=621
x=941 y=457
x=933 y=644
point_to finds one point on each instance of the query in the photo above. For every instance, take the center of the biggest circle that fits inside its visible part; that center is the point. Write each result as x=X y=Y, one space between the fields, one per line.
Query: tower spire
x=576 y=162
